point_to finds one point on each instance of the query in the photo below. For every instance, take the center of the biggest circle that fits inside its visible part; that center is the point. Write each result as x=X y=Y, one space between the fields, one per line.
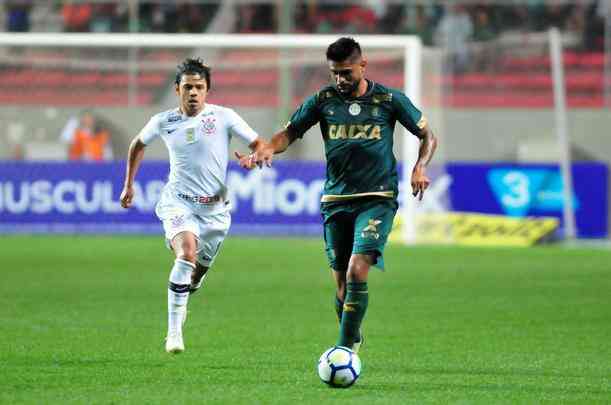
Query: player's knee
x=358 y=268
x=188 y=254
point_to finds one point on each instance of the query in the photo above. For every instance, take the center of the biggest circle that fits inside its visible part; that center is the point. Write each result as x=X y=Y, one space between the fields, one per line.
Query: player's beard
x=348 y=90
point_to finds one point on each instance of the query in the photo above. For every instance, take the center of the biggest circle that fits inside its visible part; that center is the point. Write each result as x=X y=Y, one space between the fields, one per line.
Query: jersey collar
x=368 y=92
x=185 y=117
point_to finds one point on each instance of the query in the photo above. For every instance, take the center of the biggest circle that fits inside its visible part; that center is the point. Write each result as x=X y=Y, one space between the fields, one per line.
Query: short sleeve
x=239 y=127
x=305 y=117
x=150 y=131
x=407 y=114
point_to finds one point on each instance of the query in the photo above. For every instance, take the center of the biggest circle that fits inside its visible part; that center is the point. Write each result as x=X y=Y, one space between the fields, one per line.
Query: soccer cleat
x=174 y=343
x=357 y=345
x=194 y=288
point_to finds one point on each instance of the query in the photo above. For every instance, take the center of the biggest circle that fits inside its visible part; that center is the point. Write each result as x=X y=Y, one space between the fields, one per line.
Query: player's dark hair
x=193 y=66
x=343 y=49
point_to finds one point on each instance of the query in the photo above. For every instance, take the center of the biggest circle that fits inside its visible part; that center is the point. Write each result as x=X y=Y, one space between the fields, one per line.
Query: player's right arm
x=134 y=157
x=306 y=116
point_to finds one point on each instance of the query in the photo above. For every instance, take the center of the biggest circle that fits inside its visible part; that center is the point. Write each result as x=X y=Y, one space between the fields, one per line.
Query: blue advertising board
x=84 y=198
x=521 y=190
x=283 y=200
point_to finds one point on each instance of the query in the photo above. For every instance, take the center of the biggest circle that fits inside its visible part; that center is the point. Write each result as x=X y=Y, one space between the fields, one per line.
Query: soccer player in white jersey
x=193 y=206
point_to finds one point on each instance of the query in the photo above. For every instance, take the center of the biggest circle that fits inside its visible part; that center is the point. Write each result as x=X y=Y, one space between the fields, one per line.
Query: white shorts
x=209 y=229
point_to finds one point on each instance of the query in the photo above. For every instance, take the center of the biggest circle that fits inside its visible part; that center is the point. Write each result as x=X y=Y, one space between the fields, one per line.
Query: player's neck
x=361 y=89
x=183 y=111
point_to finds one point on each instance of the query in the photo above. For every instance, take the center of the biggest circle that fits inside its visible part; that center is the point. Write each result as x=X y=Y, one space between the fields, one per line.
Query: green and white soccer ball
x=339 y=367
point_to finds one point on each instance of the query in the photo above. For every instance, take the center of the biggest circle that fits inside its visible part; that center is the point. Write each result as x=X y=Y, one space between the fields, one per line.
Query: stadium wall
x=491 y=135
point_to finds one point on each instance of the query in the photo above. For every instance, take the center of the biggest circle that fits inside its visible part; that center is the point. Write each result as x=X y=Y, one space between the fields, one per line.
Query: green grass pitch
x=82 y=320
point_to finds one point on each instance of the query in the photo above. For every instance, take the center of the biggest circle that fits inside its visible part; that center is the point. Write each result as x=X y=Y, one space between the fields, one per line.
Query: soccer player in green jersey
x=357 y=118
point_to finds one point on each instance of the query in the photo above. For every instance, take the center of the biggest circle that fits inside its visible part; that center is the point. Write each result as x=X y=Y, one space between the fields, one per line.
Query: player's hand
x=247 y=161
x=420 y=181
x=265 y=156
x=127 y=195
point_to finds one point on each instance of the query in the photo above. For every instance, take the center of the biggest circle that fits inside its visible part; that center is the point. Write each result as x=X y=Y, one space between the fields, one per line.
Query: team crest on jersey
x=354 y=109
x=209 y=125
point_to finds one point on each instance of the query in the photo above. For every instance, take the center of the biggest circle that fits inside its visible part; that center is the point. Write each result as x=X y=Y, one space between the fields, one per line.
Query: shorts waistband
x=201 y=199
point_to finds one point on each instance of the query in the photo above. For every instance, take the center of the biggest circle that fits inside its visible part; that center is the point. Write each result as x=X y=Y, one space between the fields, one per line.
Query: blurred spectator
x=256 y=18
x=484 y=54
x=86 y=139
x=556 y=15
x=159 y=17
x=190 y=18
x=358 y=20
x=18 y=15
x=390 y=21
x=77 y=16
x=482 y=29
x=103 y=17
x=416 y=22
x=594 y=32
x=454 y=32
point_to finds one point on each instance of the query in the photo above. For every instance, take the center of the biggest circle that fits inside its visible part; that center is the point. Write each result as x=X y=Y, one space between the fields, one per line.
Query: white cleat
x=174 y=343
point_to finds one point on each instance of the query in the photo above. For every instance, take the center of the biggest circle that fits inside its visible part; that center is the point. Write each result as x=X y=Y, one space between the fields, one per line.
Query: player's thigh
x=181 y=230
x=338 y=230
x=372 y=227
x=212 y=232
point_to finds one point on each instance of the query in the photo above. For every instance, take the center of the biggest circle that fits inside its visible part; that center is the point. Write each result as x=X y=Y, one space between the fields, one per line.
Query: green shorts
x=359 y=226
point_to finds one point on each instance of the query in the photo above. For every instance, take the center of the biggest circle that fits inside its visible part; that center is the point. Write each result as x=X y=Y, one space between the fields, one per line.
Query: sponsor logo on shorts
x=371 y=230
x=177 y=221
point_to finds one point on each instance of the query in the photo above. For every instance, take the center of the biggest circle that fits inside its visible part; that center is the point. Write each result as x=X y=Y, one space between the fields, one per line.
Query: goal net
x=496 y=174
x=125 y=78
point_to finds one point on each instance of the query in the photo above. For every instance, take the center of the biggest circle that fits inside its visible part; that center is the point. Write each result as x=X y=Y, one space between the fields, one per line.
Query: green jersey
x=358 y=137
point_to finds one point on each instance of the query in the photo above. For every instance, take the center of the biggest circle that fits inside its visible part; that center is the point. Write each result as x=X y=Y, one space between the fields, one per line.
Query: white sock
x=178 y=294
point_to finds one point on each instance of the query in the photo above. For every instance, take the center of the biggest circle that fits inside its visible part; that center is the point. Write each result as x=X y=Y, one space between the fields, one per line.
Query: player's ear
x=363 y=63
x=177 y=88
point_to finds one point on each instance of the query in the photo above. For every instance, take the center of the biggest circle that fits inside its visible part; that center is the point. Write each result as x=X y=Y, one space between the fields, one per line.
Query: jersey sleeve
x=407 y=114
x=239 y=127
x=305 y=117
x=150 y=131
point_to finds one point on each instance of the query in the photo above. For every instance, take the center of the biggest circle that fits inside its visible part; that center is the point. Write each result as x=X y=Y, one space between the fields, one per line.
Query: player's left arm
x=428 y=145
x=412 y=119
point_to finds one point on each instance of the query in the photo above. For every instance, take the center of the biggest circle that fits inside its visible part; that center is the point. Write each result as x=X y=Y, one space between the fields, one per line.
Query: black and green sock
x=339 y=308
x=355 y=306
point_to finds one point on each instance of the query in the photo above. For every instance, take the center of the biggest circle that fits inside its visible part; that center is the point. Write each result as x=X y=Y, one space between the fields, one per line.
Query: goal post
x=405 y=48
x=561 y=124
